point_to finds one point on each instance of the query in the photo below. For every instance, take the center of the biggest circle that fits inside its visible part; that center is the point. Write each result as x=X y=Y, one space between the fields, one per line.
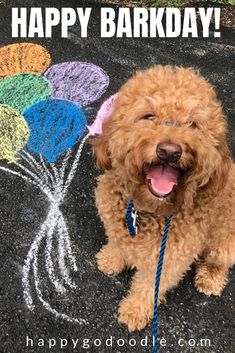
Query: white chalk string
x=45 y=303
x=68 y=246
x=46 y=170
x=51 y=222
x=32 y=253
x=63 y=252
x=58 y=181
x=53 y=184
x=32 y=166
x=65 y=164
x=34 y=177
x=29 y=180
x=74 y=165
x=27 y=157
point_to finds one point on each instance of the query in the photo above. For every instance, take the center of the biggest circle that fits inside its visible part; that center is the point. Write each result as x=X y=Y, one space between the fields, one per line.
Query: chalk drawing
x=79 y=82
x=46 y=170
x=50 y=127
x=14 y=133
x=23 y=90
x=54 y=225
x=46 y=176
x=29 y=180
x=55 y=126
x=103 y=114
x=24 y=58
x=32 y=262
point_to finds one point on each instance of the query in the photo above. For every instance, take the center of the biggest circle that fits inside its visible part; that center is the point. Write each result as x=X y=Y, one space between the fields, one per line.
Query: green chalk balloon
x=23 y=90
x=14 y=133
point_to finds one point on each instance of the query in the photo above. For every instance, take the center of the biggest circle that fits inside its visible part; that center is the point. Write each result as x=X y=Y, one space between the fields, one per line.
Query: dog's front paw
x=134 y=313
x=110 y=261
x=210 y=279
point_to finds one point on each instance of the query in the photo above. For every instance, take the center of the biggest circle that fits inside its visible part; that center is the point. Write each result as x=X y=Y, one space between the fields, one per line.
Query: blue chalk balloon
x=55 y=126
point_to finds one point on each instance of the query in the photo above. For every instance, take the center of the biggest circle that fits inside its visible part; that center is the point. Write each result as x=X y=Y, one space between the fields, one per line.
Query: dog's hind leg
x=212 y=272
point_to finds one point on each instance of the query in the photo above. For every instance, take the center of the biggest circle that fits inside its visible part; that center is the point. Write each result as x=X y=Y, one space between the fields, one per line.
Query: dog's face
x=166 y=137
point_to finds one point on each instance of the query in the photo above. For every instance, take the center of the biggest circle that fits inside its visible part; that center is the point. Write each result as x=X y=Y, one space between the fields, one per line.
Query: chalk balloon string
x=44 y=109
x=54 y=184
x=50 y=102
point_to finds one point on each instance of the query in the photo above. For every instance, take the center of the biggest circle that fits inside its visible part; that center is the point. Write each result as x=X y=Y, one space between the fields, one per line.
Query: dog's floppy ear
x=220 y=176
x=100 y=145
x=219 y=165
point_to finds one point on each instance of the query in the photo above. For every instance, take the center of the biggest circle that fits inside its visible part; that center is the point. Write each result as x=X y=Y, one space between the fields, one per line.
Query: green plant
x=231 y=2
x=168 y=3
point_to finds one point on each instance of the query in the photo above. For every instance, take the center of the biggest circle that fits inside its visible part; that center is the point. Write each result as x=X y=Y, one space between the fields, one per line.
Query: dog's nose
x=169 y=152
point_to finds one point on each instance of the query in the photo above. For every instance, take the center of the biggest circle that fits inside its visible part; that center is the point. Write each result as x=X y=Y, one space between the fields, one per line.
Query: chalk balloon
x=79 y=82
x=14 y=133
x=23 y=58
x=55 y=126
x=23 y=90
x=103 y=114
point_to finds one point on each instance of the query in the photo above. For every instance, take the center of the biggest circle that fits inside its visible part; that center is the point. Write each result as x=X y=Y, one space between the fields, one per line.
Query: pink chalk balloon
x=79 y=82
x=103 y=114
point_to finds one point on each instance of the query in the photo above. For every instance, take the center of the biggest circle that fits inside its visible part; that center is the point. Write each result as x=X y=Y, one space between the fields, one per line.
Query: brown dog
x=164 y=146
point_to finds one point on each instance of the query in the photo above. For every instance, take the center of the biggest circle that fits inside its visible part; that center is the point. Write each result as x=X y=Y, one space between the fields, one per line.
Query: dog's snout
x=169 y=152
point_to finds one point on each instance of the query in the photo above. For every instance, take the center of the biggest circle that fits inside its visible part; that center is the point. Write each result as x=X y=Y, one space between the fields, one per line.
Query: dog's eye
x=148 y=117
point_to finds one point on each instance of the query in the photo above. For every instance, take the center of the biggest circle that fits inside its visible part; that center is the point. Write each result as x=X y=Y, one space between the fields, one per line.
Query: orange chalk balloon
x=21 y=58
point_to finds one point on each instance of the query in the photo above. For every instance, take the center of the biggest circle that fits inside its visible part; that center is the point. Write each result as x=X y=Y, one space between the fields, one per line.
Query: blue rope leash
x=157 y=283
x=132 y=225
x=131 y=219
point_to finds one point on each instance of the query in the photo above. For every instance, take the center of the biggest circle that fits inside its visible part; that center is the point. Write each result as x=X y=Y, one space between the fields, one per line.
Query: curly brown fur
x=203 y=200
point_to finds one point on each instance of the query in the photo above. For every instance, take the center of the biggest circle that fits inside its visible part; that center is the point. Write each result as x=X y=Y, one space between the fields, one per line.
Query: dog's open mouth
x=161 y=179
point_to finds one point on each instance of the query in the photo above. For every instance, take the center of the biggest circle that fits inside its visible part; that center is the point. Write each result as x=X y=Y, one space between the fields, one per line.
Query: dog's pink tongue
x=163 y=178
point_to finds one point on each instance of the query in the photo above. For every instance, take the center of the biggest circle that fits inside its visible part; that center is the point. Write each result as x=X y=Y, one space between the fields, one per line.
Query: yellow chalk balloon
x=14 y=133
x=23 y=58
